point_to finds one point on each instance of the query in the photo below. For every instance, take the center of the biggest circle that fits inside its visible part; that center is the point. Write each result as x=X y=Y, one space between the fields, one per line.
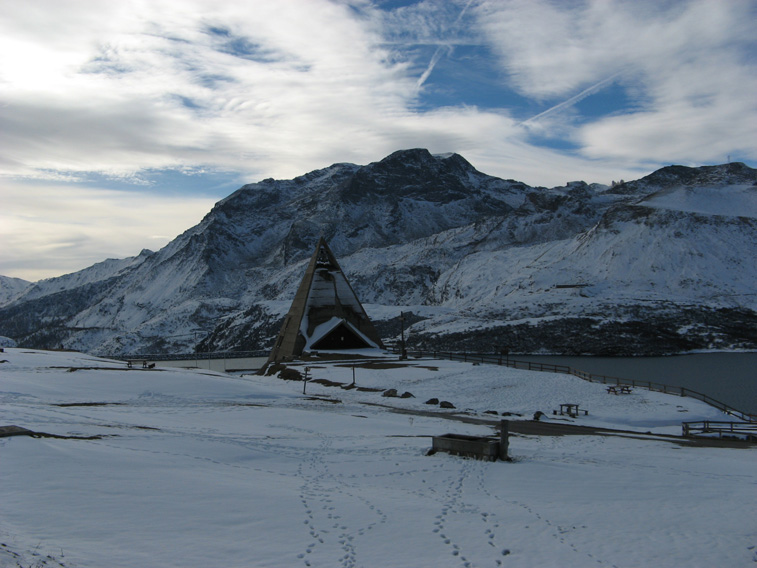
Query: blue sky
x=121 y=123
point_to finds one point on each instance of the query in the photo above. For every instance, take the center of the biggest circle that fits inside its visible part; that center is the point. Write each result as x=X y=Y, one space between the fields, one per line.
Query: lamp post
x=403 y=351
x=506 y=352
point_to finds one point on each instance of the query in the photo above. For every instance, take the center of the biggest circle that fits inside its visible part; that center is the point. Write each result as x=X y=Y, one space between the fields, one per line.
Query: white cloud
x=688 y=68
x=558 y=48
x=290 y=86
x=48 y=230
x=716 y=116
x=195 y=84
x=276 y=88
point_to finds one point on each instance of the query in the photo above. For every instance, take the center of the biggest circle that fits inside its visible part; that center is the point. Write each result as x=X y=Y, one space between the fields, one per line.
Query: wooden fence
x=748 y=429
x=504 y=360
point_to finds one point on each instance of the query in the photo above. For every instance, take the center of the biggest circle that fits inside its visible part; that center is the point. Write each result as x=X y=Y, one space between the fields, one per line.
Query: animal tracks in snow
x=336 y=515
x=461 y=517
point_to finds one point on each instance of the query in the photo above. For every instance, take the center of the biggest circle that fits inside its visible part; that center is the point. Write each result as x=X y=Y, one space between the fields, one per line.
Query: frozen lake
x=728 y=377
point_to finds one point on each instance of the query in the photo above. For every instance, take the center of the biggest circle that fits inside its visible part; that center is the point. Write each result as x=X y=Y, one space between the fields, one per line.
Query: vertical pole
x=504 y=439
x=353 y=375
x=403 y=352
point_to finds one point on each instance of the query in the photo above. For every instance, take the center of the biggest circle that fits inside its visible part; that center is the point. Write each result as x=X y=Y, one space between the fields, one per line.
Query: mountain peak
x=423 y=159
x=414 y=173
x=732 y=173
x=410 y=155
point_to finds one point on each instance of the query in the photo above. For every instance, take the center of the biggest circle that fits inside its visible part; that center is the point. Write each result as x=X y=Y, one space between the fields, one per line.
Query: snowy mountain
x=11 y=288
x=659 y=265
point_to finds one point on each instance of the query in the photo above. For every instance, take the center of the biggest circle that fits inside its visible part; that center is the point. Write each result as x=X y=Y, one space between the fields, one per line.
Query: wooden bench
x=620 y=389
x=570 y=410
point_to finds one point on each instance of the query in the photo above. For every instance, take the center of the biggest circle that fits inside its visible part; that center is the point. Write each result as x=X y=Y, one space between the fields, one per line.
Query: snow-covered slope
x=11 y=288
x=96 y=274
x=194 y=468
x=666 y=263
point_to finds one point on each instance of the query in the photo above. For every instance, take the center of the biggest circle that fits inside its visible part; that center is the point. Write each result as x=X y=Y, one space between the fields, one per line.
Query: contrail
x=434 y=60
x=462 y=13
x=438 y=53
x=574 y=99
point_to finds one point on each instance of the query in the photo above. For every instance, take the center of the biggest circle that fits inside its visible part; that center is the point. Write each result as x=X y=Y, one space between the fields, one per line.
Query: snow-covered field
x=199 y=469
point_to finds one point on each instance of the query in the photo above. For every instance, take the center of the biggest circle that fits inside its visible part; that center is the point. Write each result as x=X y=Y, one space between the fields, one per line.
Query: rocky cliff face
x=661 y=264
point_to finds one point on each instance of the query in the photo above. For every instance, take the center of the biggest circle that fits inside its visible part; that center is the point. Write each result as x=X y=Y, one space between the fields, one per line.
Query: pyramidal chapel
x=325 y=315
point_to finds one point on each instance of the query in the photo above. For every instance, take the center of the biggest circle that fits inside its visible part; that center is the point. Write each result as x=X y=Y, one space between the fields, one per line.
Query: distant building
x=325 y=314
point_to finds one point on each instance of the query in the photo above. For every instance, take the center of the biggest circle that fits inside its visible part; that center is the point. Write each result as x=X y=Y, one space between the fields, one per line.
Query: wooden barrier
x=721 y=428
x=468 y=446
x=479 y=447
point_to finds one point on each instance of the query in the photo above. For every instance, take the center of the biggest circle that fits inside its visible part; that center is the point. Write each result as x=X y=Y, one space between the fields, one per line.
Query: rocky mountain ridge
x=661 y=264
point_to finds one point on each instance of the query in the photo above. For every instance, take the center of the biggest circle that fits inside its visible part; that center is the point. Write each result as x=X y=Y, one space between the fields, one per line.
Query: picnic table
x=619 y=389
x=571 y=410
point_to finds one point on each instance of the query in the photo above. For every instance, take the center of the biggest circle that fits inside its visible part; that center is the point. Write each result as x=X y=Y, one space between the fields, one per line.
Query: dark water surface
x=728 y=377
